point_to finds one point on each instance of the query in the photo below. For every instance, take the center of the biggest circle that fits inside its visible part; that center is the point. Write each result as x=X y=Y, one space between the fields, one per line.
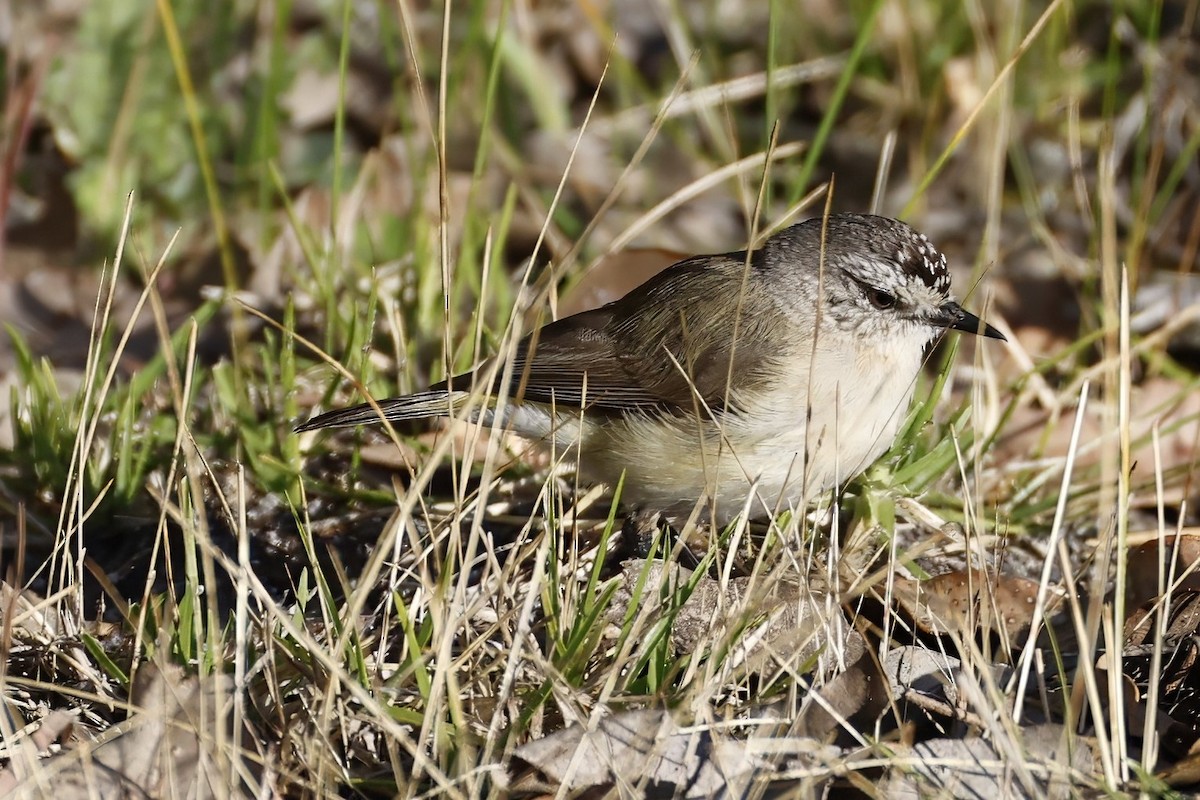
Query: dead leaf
x=55 y=726
x=979 y=768
x=166 y=747
x=856 y=695
x=919 y=669
x=58 y=724
x=1185 y=772
x=1177 y=673
x=965 y=601
x=1181 y=554
x=631 y=751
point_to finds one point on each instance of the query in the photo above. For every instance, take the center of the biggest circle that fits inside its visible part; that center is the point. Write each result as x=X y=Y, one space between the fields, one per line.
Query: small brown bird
x=744 y=381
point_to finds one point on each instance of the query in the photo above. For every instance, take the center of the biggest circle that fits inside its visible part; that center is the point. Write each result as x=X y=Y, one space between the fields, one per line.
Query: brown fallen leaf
x=1178 y=559
x=1185 y=772
x=966 y=601
x=1176 y=675
x=857 y=695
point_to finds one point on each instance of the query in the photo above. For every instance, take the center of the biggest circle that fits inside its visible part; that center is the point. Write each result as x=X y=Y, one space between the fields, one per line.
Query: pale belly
x=773 y=458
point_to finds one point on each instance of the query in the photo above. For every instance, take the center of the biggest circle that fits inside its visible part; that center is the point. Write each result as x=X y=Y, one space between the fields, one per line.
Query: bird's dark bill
x=955 y=317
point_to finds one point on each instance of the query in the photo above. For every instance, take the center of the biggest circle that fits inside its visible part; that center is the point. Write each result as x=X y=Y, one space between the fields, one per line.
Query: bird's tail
x=429 y=403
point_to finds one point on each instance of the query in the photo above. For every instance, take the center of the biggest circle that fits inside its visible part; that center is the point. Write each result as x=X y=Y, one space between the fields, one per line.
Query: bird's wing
x=663 y=346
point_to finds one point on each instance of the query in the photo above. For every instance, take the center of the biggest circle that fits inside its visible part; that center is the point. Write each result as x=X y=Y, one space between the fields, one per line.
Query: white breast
x=776 y=447
x=775 y=454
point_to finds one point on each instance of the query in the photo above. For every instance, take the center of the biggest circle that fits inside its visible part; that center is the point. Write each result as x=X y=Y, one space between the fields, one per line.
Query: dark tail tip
x=430 y=403
x=340 y=418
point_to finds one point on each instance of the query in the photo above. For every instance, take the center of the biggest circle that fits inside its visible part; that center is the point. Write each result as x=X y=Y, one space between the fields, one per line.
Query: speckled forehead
x=902 y=258
x=920 y=261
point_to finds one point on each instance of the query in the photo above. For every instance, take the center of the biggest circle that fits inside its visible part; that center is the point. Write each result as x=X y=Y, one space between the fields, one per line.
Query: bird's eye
x=881 y=299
